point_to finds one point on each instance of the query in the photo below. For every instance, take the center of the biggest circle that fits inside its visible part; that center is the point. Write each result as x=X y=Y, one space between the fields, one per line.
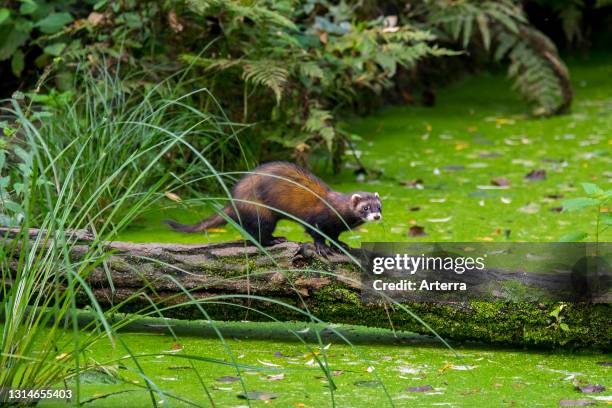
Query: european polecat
x=281 y=190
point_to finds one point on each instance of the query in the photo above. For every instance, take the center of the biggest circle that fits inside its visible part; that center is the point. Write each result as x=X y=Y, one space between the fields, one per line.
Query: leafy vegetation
x=290 y=68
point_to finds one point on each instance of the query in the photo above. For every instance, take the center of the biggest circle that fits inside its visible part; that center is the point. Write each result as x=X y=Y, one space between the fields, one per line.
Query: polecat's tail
x=210 y=222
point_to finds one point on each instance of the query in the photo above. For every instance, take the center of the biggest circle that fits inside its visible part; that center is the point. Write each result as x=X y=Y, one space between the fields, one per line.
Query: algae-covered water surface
x=473 y=168
x=393 y=369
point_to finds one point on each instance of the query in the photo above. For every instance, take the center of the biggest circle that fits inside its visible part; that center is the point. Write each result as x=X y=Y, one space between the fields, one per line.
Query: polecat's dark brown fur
x=281 y=190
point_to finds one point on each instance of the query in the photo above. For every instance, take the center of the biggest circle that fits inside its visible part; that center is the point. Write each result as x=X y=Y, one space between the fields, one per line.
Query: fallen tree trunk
x=236 y=281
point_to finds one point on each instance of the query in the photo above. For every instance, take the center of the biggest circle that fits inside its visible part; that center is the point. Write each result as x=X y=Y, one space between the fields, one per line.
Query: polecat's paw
x=277 y=240
x=323 y=249
x=339 y=246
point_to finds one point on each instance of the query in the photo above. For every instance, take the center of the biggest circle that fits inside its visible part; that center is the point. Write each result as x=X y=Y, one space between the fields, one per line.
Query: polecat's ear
x=355 y=199
x=376 y=195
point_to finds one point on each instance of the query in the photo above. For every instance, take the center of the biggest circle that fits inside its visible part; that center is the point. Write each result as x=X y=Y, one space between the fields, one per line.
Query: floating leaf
x=258 y=395
x=576 y=403
x=266 y=363
x=536 y=175
x=447 y=219
x=227 y=379
x=416 y=183
x=500 y=181
x=463 y=367
x=590 y=388
x=417 y=231
x=530 y=208
x=368 y=383
x=275 y=377
x=422 y=388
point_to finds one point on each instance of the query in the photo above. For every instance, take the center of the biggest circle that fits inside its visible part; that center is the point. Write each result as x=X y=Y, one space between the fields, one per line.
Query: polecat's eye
x=366 y=208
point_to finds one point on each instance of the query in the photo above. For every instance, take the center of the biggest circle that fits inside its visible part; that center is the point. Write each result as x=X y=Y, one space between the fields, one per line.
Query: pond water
x=399 y=368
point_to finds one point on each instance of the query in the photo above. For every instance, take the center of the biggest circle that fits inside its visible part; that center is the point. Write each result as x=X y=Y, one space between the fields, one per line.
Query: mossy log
x=237 y=281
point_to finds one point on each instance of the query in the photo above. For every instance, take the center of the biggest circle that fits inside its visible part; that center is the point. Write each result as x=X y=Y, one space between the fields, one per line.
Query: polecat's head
x=367 y=206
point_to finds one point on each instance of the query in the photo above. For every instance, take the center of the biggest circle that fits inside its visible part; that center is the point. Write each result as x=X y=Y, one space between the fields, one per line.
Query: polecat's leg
x=319 y=243
x=336 y=244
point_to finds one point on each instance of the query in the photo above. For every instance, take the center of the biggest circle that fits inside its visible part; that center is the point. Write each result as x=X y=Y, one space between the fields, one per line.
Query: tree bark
x=237 y=281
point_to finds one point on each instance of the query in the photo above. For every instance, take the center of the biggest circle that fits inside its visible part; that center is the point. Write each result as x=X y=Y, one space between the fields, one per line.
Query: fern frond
x=237 y=8
x=266 y=73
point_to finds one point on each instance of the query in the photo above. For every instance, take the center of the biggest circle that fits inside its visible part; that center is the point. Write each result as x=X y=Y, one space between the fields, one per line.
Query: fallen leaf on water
x=267 y=363
x=177 y=346
x=536 y=175
x=416 y=183
x=463 y=367
x=576 y=403
x=258 y=395
x=280 y=354
x=484 y=238
x=556 y=209
x=500 y=181
x=489 y=155
x=447 y=219
x=414 y=209
x=530 y=208
x=337 y=373
x=417 y=231
x=471 y=392
x=422 y=388
x=590 y=388
x=503 y=121
x=461 y=145
x=227 y=379
x=368 y=383
x=445 y=367
x=554 y=196
x=275 y=377
x=492 y=187
x=408 y=370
